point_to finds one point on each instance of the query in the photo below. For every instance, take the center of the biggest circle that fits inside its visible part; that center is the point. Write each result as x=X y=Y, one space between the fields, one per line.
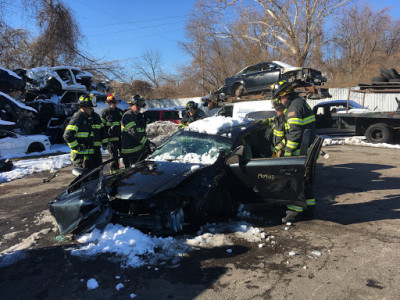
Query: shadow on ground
x=52 y=273
x=350 y=181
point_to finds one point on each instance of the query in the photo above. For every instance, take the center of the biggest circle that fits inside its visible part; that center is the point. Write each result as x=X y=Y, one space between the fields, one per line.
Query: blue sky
x=124 y=29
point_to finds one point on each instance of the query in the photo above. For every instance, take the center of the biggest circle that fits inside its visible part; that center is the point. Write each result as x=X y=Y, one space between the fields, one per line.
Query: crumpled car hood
x=152 y=177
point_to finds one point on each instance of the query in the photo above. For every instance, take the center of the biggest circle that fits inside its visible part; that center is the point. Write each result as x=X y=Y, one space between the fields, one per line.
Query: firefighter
x=275 y=134
x=79 y=135
x=111 y=118
x=298 y=117
x=99 y=137
x=135 y=144
x=193 y=113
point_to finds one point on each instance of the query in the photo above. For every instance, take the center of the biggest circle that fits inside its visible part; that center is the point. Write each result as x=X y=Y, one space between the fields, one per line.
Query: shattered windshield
x=191 y=147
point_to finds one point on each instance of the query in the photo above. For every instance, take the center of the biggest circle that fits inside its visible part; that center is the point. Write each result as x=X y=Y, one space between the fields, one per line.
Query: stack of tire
x=387 y=75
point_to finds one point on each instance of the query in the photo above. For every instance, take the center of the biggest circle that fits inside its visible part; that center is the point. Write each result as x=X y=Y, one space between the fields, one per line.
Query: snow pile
x=30 y=166
x=355 y=140
x=213 y=125
x=136 y=249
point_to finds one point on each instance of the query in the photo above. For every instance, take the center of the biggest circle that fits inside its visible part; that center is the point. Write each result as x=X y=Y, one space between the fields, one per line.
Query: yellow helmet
x=281 y=89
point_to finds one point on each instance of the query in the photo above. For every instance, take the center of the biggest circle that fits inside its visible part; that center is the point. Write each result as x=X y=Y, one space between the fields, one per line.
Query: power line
x=136 y=28
x=139 y=21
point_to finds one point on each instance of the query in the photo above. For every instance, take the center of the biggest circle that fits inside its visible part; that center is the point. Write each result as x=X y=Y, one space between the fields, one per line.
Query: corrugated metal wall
x=382 y=102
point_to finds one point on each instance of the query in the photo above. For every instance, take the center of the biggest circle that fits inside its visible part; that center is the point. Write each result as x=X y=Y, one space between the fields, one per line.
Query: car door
x=269 y=74
x=10 y=143
x=250 y=77
x=279 y=180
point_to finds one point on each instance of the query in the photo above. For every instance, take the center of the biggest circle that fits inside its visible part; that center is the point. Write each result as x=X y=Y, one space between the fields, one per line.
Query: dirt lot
x=356 y=231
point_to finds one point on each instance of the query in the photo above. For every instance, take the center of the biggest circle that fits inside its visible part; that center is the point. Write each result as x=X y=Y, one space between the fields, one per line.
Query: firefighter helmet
x=277 y=104
x=137 y=100
x=281 y=88
x=85 y=101
x=111 y=98
x=191 y=106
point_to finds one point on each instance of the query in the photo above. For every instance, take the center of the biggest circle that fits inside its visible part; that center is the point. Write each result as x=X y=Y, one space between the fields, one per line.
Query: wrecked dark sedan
x=259 y=78
x=10 y=81
x=205 y=170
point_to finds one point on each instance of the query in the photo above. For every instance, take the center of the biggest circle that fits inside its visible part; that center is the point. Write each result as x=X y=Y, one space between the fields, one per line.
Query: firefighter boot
x=309 y=212
x=292 y=216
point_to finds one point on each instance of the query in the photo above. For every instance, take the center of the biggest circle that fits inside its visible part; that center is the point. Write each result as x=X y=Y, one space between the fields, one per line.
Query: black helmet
x=85 y=101
x=137 y=100
x=282 y=88
x=277 y=104
x=191 y=106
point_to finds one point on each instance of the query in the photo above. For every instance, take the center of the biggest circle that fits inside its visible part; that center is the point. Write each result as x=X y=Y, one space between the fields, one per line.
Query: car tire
x=379 y=133
x=36 y=147
x=394 y=73
x=379 y=79
x=239 y=90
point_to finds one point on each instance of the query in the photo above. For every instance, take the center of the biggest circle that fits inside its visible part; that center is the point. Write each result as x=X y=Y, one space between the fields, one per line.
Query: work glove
x=152 y=147
x=181 y=126
x=261 y=122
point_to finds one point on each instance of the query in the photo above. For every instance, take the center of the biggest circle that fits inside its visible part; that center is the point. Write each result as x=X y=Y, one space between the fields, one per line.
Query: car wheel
x=35 y=147
x=239 y=90
x=379 y=133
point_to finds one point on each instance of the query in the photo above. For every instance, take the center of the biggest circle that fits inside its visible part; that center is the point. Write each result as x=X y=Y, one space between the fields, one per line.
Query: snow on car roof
x=166 y=108
x=214 y=125
x=351 y=102
x=282 y=64
x=20 y=104
x=2 y=122
x=11 y=73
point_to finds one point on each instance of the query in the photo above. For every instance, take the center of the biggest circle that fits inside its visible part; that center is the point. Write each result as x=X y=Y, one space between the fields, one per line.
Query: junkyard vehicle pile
x=45 y=97
x=194 y=175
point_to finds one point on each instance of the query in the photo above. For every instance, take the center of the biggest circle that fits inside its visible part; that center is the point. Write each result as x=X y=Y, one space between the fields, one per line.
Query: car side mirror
x=234 y=157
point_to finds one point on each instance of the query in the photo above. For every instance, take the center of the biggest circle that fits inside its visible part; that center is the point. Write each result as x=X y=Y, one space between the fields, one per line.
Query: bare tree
x=149 y=66
x=365 y=40
x=289 y=26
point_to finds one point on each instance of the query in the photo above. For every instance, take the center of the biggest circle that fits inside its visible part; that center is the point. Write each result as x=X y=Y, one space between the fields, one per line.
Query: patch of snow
x=316 y=253
x=92 y=284
x=30 y=166
x=136 y=249
x=292 y=253
x=355 y=140
x=229 y=250
x=132 y=296
x=119 y=286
